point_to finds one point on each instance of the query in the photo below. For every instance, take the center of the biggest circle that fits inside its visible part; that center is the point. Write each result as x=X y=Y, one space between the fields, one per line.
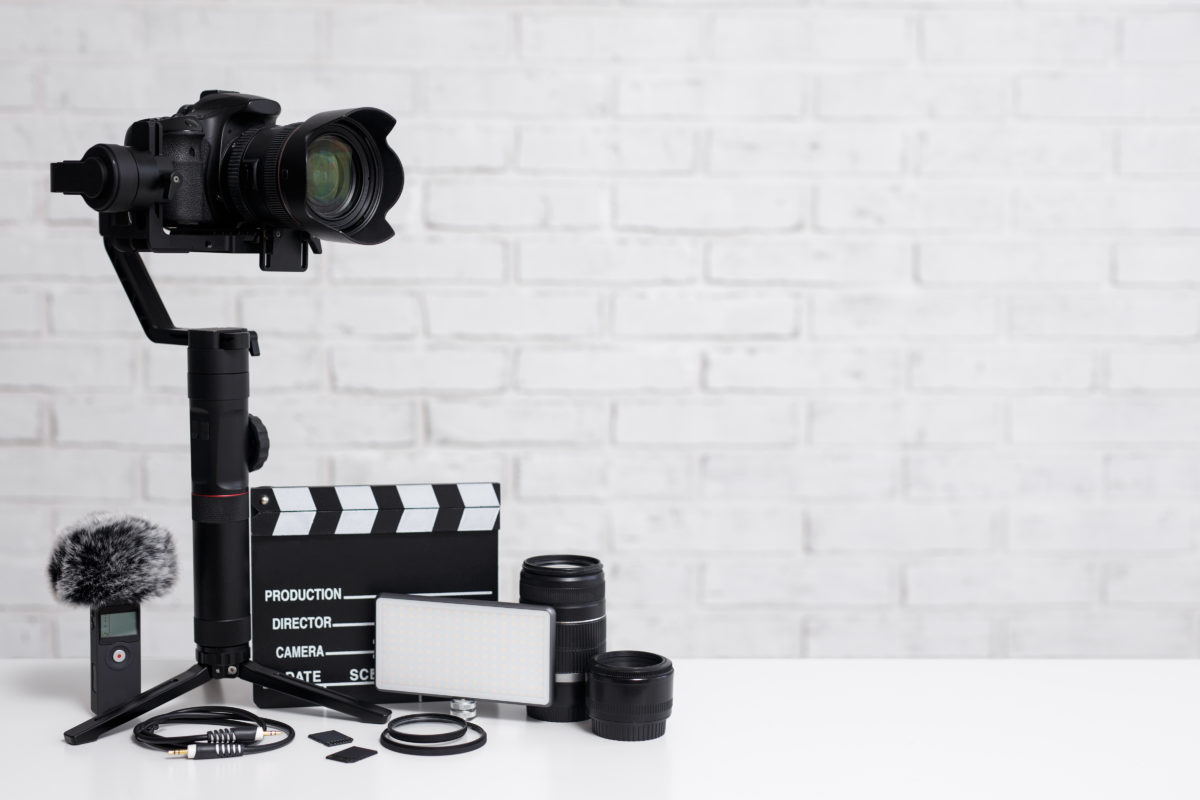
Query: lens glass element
x=332 y=177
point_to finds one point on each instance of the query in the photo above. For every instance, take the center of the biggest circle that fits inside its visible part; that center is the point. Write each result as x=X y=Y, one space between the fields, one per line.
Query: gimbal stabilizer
x=227 y=443
x=206 y=174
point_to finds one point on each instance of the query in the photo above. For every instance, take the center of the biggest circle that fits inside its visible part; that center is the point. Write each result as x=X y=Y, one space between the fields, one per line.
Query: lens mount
x=333 y=176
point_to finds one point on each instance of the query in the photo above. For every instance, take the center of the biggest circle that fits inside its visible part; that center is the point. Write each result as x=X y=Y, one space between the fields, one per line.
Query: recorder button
x=119 y=655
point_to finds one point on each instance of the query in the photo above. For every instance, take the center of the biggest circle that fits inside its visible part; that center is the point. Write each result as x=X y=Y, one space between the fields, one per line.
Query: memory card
x=351 y=754
x=330 y=738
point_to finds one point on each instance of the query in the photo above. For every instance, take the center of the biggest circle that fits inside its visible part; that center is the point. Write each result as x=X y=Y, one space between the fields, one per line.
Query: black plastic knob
x=258 y=444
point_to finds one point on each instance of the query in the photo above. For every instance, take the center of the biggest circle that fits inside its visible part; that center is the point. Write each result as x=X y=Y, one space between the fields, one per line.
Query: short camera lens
x=630 y=695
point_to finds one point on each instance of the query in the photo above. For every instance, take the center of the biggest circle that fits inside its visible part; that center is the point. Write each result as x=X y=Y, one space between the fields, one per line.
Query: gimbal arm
x=143 y=295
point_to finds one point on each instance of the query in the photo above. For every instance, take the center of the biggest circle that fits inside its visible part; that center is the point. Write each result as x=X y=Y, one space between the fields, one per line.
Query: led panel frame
x=451 y=647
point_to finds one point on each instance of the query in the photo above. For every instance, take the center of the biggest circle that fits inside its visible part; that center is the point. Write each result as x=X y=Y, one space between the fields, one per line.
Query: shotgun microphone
x=111 y=563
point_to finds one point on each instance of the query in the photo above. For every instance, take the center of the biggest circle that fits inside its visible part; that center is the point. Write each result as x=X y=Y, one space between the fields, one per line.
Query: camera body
x=197 y=140
x=221 y=176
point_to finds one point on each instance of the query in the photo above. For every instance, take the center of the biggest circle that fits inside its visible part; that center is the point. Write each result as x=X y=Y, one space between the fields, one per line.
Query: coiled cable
x=236 y=732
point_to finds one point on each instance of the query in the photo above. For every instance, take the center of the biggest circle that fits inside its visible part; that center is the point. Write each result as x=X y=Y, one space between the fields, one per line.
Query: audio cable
x=236 y=733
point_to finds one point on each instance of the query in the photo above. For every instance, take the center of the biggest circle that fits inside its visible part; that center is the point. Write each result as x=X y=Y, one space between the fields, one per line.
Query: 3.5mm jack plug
x=208 y=750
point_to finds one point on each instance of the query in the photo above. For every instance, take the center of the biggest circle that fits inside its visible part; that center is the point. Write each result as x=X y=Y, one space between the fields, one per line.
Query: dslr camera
x=221 y=176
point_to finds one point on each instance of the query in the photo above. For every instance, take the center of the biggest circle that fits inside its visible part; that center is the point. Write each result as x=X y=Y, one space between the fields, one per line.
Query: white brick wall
x=840 y=327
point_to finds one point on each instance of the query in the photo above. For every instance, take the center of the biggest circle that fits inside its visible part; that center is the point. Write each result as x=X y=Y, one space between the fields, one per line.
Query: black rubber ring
x=437 y=750
x=427 y=738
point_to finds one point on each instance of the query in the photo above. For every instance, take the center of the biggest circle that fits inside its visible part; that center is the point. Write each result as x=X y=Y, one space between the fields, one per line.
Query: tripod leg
x=168 y=690
x=273 y=679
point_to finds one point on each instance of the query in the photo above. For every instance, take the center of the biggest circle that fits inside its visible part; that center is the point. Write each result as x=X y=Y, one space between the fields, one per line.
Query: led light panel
x=464 y=648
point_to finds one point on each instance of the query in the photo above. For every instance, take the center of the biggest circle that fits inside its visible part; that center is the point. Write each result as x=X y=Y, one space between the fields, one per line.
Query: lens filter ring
x=460 y=728
x=389 y=742
x=562 y=567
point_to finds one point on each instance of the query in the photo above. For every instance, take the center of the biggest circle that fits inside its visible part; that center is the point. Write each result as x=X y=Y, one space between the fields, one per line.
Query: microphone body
x=111 y=563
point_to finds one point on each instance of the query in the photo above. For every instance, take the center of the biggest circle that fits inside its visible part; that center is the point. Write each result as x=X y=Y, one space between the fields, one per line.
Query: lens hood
x=382 y=176
x=267 y=175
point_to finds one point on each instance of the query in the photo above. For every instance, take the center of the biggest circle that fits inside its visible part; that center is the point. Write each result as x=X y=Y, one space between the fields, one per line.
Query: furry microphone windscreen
x=106 y=559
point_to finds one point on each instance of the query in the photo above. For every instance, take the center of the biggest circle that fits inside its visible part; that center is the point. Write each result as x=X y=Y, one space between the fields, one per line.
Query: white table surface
x=740 y=729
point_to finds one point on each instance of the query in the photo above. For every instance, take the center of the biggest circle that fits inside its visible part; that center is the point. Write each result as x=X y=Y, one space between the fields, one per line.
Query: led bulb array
x=479 y=649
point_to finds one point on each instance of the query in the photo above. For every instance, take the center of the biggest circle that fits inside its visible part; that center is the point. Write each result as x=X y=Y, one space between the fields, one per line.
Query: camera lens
x=574 y=587
x=332 y=176
x=630 y=694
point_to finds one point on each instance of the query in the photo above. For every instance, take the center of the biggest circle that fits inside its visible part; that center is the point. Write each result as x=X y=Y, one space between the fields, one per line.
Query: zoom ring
x=581 y=636
x=272 y=186
x=575 y=594
x=571 y=662
x=576 y=645
x=233 y=172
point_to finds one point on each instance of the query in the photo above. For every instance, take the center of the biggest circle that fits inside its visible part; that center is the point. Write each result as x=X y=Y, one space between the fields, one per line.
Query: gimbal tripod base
x=200 y=674
x=226 y=445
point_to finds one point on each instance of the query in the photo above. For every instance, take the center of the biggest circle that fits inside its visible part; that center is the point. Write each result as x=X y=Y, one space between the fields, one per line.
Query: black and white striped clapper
x=396 y=508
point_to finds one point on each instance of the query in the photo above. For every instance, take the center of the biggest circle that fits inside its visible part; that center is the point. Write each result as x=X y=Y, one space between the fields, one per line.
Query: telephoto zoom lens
x=630 y=694
x=574 y=587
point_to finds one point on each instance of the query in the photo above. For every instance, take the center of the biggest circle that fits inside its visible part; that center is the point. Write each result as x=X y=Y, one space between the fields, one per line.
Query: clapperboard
x=320 y=554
